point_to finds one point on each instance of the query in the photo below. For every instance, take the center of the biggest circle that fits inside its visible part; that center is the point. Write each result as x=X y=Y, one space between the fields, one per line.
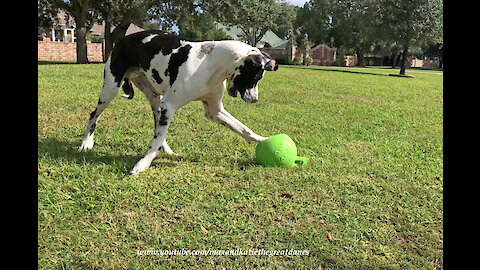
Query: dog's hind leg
x=109 y=92
x=166 y=111
x=141 y=81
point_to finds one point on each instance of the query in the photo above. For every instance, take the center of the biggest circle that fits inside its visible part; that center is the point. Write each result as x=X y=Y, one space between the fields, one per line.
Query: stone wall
x=67 y=51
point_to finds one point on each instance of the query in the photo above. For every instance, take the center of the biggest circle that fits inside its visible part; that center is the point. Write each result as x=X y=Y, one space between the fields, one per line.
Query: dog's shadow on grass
x=243 y=164
x=68 y=151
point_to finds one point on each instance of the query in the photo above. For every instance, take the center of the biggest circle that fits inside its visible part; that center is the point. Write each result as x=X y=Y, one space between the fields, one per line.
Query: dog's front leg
x=238 y=127
x=219 y=115
x=166 y=114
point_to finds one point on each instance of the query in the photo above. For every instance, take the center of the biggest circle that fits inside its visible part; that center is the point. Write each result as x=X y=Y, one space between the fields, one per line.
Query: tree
x=253 y=17
x=410 y=22
x=47 y=16
x=352 y=27
x=314 y=20
x=121 y=14
x=435 y=51
x=193 y=20
x=286 y=22
x=200 y=26
x=84 y=18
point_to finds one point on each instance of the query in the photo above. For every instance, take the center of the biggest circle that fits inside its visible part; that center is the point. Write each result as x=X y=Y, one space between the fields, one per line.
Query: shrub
x=308 y=61
x=297 y=61
x=94 y=38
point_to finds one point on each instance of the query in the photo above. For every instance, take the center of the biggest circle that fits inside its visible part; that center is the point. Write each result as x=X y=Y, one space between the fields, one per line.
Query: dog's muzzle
x=250 y=96
x=271 y=65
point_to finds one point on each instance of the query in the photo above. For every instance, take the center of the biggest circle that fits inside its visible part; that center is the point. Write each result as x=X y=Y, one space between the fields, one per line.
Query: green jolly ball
x=279 y=151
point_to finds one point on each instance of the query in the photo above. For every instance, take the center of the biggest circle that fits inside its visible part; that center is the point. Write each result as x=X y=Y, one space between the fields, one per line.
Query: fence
x=67 y=51
x=422 y=63
x=323 y=55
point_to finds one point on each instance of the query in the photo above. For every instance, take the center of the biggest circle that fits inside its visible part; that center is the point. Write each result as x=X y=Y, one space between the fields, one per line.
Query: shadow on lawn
x=56 y=149
x=65 y=150
x=243 y=163
x=339 y=69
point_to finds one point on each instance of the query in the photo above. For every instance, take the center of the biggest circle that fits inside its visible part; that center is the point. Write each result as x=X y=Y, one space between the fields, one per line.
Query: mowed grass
x=369 y=198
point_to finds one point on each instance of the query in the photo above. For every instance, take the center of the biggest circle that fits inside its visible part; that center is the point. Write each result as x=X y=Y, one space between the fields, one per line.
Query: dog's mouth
x=246 y=95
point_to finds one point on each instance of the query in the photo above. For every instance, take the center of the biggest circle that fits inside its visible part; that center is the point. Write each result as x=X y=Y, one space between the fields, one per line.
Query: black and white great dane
x=172 y=71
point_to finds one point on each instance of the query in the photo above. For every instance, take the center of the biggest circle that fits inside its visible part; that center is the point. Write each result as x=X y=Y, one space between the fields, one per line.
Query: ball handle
x=301 y=161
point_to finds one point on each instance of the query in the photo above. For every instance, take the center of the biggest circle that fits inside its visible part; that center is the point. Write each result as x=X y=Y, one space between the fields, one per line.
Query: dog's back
x=138 y=49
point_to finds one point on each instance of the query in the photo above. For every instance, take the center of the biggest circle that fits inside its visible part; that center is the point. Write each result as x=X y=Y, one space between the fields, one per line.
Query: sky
x=297 y=2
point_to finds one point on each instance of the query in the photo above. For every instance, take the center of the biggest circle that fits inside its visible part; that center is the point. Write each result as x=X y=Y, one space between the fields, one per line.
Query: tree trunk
x=340 y=61
x=81 y=45
x=361 y=58
x=108 y=39
x=259 y=35
x=79 y=10
x=404 y=60
x=247 y=32
x=394 y=60
x=254 y=37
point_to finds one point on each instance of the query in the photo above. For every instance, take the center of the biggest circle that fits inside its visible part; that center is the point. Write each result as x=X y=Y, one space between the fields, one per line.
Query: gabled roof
x=269 y=37
x=99 y=29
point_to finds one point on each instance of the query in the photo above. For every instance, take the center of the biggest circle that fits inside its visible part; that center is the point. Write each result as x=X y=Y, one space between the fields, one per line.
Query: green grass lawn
x=374 y=181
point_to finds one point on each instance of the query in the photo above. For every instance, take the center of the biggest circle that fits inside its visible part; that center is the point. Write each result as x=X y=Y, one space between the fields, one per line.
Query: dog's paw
x=169 y=151
x=256 y=138
x=86 y=144
x=261 y=139
x=139 y=167
x=177 y=157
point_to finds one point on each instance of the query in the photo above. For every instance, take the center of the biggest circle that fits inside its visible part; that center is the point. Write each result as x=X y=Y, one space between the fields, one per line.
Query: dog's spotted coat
x=173 y=71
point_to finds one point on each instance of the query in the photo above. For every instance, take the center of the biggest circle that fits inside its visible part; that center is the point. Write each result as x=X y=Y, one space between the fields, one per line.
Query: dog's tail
x=128 y=89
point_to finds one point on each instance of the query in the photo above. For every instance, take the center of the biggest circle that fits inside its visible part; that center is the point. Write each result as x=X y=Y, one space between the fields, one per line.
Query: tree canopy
x=357 y=26
x=364 y=25
x=253 y=17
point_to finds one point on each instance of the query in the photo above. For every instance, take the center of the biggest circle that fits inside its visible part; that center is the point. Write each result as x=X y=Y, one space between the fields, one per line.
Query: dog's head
x=248 y=73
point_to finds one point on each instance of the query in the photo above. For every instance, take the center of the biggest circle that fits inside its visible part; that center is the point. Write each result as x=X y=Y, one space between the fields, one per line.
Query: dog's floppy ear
x=271 y=64
x=261 y=60
x=257 y=59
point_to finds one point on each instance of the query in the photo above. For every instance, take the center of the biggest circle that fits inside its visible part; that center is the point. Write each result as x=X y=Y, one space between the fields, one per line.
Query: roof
x=270 y=37
x=97 y=29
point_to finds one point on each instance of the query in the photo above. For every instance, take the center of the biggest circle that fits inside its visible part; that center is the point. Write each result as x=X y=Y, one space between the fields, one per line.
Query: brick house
x=59 y=43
